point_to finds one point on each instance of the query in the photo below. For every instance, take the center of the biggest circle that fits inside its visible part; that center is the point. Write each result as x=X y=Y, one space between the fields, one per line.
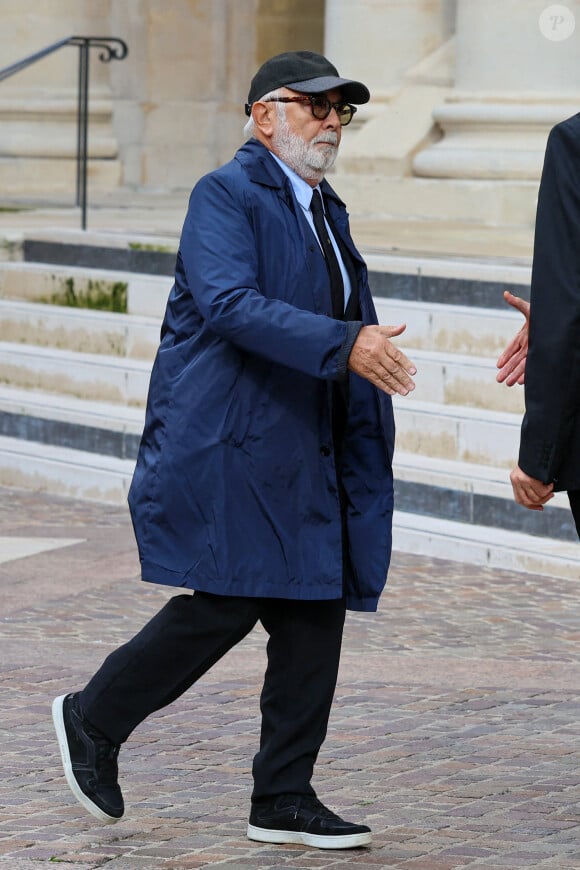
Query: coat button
x=325 y=450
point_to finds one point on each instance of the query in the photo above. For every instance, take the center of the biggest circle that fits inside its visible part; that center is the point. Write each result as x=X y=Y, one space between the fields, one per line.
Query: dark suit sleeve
x=552 y=378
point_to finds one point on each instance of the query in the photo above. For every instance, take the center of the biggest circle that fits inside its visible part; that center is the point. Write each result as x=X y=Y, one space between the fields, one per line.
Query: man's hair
x=280 y=107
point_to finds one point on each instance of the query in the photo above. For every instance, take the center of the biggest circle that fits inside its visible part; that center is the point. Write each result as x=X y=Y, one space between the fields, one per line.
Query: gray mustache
x=327 y=138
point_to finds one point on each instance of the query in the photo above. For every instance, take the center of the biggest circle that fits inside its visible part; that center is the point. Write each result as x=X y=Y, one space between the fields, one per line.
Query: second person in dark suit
x=549 y=456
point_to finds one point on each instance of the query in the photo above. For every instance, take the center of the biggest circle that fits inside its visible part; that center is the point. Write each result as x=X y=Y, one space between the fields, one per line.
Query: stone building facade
x=464 y=94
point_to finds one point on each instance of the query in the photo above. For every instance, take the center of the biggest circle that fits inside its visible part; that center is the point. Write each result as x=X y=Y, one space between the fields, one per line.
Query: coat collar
x=261 y=169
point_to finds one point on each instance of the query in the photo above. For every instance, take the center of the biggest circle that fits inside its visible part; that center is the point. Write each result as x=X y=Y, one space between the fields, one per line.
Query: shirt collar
x=302 y=190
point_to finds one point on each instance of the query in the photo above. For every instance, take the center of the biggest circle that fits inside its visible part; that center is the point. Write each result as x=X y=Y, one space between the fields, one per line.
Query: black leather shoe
x=302 y=819
x=89 y=761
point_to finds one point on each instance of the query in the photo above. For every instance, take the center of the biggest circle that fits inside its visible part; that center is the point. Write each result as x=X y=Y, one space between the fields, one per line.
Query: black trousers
x=190 y=634
x=574 y=496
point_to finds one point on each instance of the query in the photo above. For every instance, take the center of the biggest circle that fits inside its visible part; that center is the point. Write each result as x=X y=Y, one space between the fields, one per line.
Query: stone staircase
x=458 y=432
x=73 y=385
x=73 y=382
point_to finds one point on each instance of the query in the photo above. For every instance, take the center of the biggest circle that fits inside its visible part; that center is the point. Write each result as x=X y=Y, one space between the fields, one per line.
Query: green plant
x=99 y=295
x=142 y=246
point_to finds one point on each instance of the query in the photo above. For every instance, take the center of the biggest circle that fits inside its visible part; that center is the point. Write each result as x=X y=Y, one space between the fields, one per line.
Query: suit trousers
x=574 y=496
x=190 y=634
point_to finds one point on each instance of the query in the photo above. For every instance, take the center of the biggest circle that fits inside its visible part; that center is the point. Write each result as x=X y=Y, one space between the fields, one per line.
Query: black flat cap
x=305 y=72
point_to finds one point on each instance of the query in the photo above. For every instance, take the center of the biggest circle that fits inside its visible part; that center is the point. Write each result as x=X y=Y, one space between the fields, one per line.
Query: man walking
x=264 y=478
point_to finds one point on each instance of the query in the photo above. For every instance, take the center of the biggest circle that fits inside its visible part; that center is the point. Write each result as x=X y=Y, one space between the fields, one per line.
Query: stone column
x=38 y=106
x=179 y=103
x=401 y=49
x=378 y=41
x=514 y=80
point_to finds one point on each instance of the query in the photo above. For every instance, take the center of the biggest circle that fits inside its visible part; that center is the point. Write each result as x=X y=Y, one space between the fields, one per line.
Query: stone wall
x=168 y=113
x=463 y=95
x=38 y=134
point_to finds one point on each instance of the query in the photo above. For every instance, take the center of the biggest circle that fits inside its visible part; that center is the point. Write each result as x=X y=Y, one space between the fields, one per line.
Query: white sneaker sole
x=58 y=719
x=319 y=841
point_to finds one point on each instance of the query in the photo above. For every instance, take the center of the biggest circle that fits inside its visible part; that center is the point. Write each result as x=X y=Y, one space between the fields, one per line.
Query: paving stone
x=455 y=731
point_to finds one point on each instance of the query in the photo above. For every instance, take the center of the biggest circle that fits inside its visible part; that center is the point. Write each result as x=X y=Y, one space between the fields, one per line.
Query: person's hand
x=529 y=492
x=512 y=362
x=376 y=358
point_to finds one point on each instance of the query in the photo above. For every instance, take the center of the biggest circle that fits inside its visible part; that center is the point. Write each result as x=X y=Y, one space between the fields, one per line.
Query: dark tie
x=336 y=282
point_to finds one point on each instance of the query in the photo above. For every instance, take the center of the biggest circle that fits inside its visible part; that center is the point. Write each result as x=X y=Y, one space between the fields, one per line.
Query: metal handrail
x=113 y=49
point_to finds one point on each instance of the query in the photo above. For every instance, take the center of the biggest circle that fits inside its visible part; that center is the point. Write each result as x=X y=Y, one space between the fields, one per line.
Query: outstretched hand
x=512 y=362
x=376 y=358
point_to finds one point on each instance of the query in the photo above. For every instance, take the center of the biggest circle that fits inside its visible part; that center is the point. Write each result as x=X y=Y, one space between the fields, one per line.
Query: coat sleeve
x=220 y=258
x=552 y=377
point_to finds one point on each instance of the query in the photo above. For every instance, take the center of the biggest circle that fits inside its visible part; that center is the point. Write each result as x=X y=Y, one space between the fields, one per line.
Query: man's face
x=308 y=145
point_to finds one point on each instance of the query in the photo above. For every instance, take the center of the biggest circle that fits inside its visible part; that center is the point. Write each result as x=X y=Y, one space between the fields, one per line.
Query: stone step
x=37 y=282
x=79 y=474
x=87 y=450
x=475 y=494
x=49 y=175
x=429 y=428
x=461 y=379
x=445 y=488
x=106 y=257
x=96 y=425
x=78 y=329
x=467 y=203
x=84 y=375
x=72 y=414
x=482 y=545
x=459 y=433
x=463 y=280
x=65 y=421
x=430 y=326
x=63 y=471
x=444 y=328
x=448 y=328
x=428 y=278
x=458 y=380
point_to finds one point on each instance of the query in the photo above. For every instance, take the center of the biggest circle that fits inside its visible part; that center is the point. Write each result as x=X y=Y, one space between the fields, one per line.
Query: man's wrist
x=353 y=327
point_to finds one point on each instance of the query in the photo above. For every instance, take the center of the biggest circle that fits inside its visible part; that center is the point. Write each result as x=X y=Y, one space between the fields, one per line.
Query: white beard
x=308 y=159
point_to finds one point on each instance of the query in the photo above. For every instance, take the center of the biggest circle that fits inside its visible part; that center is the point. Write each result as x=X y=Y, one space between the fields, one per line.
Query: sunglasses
x=321 y=107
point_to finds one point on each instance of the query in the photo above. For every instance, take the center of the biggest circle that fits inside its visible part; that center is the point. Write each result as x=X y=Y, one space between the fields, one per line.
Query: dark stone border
x=59 y=433
x=483 y=510
x=416 y=288
x=93 y=257
x=417 y=498
x=452 y=291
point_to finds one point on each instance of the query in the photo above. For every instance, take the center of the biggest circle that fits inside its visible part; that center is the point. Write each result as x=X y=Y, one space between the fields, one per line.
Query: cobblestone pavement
x=455 y=733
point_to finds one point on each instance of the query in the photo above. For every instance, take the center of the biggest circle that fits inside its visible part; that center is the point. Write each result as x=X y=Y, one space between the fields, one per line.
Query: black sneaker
x=89 y=761
x=302 y=819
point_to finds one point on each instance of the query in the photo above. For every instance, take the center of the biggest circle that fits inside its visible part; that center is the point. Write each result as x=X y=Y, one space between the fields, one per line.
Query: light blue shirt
x=303 y=193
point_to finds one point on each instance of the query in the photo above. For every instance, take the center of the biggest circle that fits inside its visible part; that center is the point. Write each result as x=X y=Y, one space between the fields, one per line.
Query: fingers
x=390 y=376
x=529 y=492
x=517 y=376
x=512 y=362
x=395 y=371
x=398 y=360
x=381 y=362
x=516 y=302
x=512 y=348
x=391 y=331
x=513 y=369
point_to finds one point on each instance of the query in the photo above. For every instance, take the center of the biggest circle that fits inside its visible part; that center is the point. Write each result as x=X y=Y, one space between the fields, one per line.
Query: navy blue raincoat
x=235 y=489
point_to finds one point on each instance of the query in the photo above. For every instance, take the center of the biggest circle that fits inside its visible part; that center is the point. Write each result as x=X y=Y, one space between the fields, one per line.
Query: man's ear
x=263 y=120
